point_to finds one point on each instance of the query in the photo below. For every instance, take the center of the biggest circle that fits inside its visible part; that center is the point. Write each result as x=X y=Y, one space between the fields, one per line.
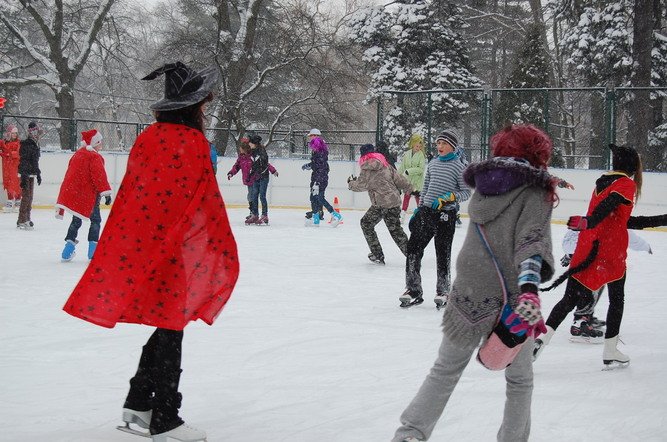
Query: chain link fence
x=581 y=121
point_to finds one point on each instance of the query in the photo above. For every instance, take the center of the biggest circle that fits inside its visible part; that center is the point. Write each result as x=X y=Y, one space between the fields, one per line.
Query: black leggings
x=577 y=295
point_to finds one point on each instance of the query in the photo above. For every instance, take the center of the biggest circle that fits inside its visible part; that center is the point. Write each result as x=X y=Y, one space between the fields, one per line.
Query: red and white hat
x=91 y=138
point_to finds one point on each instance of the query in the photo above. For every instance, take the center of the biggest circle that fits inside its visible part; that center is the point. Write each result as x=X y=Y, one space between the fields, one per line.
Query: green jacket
x=415 y=164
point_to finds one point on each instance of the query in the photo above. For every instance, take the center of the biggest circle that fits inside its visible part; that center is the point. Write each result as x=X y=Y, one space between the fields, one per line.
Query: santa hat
x=12 y=129
x=91 y=139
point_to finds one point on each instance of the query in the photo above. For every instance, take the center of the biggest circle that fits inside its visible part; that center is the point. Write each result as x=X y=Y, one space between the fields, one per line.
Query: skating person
x=319 y=179
x=259 y=173
x=84 y=185
x=168 y=254
x=412 y=166
x=9 y=150
x=512 y=203
x=444 y=188
x=244 y=164
x=601 y=251
x=29 y=172
x=383 y=184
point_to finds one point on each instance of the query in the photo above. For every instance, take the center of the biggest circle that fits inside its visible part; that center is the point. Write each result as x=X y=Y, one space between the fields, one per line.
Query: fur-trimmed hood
x=502 y=174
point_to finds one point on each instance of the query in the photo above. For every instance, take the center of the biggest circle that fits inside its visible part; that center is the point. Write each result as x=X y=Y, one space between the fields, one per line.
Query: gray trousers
x=419 y=419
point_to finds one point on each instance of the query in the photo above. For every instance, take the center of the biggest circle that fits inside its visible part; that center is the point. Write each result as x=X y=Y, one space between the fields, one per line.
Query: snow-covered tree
x=55 y=40
x=415 y=45
x=531 y=70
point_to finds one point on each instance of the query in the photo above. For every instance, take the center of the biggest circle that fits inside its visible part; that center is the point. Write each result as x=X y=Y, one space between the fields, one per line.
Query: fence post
x=486 y=125
x=378 y=126
x=429 y=121
x=610 y=120
x=546 y=111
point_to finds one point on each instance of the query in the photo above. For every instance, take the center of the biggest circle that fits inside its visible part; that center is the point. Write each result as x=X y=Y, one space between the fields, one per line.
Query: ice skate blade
x=614 y=365
x=586 y=340
x=130 y=430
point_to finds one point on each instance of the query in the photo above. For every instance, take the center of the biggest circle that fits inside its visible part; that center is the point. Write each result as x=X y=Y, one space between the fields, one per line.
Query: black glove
x=565 y=260
x=107 y=200
x=305 y=166
x=39 y=180
x=229 y=176
x=406 y=172
x=24 y=182
x=416 y=193
x=351 y=178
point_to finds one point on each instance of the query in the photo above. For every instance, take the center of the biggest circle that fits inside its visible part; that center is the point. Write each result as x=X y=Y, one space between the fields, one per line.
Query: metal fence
x=119 y=137
x=581 y=121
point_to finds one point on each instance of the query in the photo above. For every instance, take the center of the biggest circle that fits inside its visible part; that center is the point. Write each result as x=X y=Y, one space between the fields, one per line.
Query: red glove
x=577 y=223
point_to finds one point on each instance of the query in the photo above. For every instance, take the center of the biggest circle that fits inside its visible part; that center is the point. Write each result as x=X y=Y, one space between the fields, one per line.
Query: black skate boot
x=410 y=299
x=598 y=324
x=582 y=331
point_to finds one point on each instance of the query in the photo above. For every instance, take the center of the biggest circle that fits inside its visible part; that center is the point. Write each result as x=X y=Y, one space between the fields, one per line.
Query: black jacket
x=260 y=163
x=29 y=158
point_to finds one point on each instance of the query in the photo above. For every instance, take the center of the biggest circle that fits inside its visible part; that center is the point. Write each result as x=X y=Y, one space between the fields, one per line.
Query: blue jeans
x=318 y=200
x=256 y=193
x=95 y=223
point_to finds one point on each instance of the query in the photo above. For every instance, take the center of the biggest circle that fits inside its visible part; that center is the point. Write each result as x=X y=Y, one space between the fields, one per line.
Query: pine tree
x=415 y=45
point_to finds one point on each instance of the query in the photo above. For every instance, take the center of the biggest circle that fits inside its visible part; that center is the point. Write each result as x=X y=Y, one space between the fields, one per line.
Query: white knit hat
x=315 y=132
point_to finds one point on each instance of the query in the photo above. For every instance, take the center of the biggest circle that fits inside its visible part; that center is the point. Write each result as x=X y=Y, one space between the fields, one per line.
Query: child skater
x=599 y=257
x=512 y=205
x=260 y=175
x=29 y=171
x=167 y=254
x=383 y=184
x=85 y=183
x=319 y=179
x=244 y=164
x=444 y=188
x=586 y=327
x=9 y=150
x=412 y=165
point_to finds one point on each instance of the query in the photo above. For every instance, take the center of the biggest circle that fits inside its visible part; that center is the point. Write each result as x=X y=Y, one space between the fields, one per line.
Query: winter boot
x=336 y=218
x=542 y=342
x=376 y=259
x=409 y=299
x=92 y=245
x=611 y=357
x=440 y=300
x=68 y=252
x=582 y=331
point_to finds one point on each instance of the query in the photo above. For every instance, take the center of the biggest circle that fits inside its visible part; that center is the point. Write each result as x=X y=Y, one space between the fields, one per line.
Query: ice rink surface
x=311 y=347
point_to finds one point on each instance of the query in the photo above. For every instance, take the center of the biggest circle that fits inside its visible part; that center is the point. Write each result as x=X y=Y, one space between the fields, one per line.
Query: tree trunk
x=641 y=114
x=597 y=149
x=65 y=108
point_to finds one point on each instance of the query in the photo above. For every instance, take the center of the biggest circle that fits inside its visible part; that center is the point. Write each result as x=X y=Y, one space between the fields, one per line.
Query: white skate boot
x=141 y=418
x=184 y=433
x=542 y=342
x=611 y=357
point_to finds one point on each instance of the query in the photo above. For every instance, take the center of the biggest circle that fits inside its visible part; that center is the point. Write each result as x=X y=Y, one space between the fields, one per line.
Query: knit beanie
x=624 y=159
x=448 y=136
x=366 y=148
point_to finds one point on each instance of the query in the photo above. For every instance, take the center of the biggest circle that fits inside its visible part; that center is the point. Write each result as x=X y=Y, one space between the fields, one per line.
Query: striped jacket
x=442 y=177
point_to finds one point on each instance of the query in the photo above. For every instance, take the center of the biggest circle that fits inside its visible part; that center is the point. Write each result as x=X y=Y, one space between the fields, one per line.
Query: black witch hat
x=183 y=86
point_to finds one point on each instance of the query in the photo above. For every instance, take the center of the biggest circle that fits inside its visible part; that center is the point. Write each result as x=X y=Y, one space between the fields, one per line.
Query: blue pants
x=318 y=200
x=256 y=193
x=95 y=223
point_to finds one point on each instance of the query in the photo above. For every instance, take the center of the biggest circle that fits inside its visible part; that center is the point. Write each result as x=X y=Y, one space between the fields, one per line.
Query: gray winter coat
x=517 y=225
x=381 y=181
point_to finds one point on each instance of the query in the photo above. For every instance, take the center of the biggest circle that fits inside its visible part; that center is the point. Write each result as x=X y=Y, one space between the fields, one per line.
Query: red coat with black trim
x=167 y=255
x=612 y=235
x=84 y=180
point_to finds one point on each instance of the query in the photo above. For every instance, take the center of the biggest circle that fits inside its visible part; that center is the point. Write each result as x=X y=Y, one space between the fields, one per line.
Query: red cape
x=612 y=234
x=167 y=255
x=10 y=167
x=84 y=180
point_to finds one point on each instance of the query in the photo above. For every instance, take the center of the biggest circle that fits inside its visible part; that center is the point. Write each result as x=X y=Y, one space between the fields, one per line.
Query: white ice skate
x=542 y=342
x=141 y=418
x=184 y=433
x=611 y=357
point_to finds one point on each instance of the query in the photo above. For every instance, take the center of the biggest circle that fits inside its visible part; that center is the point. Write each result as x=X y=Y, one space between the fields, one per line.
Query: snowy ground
x=311 y=347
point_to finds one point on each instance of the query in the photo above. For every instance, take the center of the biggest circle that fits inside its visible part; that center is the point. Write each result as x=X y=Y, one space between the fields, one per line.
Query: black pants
x=577 y=295
x=155 y=385
x=426 y=224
